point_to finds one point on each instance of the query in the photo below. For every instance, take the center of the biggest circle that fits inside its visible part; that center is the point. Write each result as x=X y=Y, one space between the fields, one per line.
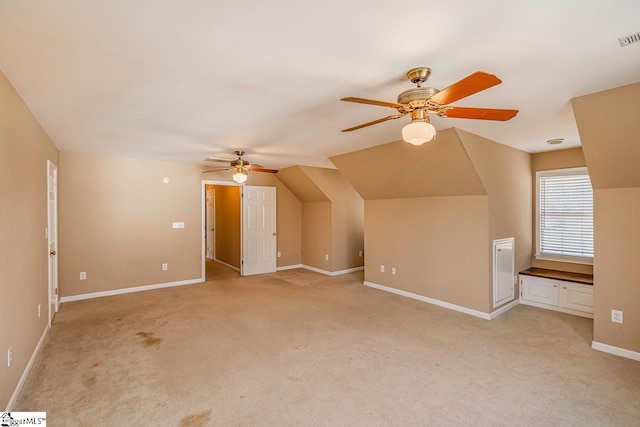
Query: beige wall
x=610 y=131
x=227 y=224
x=427 y=215
x=617 y=270
x=506 y=175
x=24 y=150
x=346 y=216
x=399 y=170
x=549 y=160
x=437 y=244
x=289 y=214
x=345 y=219
x=116 y=218
x=316 y=235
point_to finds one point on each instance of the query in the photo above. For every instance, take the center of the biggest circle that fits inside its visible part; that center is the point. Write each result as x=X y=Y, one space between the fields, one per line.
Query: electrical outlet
x=9 y=356
x=165 y=267
x=326 y=257
x=279 y=254
x=381 y=268
x=393 y=271
x=616 y=316
x=515 y=279
x=360 y=254
x=83 y=275
x=39 y=309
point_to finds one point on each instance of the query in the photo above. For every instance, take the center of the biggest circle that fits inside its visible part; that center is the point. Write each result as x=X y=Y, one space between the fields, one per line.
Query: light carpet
x=261 y=351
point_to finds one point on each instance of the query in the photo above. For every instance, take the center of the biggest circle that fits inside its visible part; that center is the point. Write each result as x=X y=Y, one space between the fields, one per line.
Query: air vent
x=626 y=41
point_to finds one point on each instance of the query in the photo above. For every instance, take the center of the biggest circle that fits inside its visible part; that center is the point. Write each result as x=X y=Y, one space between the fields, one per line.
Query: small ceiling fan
x=422 y=101
x=241 y=166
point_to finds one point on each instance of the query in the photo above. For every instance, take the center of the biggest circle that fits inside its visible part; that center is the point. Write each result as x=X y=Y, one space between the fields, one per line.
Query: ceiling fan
x=422 y=101
x=241 y=166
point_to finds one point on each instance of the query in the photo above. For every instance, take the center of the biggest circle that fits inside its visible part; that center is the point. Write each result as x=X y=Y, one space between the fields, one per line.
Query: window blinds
x=565 y=214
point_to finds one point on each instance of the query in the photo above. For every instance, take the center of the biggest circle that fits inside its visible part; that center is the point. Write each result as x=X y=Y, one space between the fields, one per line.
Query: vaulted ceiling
x=185 y=80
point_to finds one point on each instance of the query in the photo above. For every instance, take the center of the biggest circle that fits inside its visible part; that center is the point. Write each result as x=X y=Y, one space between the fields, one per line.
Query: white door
x=52 y=236
x=210 y=223
x=258 y=230
x=503 y=271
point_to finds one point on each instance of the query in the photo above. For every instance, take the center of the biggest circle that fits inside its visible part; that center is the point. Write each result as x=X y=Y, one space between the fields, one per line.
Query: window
x=565 y=216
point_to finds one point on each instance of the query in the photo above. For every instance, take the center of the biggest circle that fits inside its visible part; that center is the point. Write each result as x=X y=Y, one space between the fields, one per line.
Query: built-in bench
x=557 y=290
x=587 y=279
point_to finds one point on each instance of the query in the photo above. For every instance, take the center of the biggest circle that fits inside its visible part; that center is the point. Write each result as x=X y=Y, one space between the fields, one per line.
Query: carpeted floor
x=296 y=348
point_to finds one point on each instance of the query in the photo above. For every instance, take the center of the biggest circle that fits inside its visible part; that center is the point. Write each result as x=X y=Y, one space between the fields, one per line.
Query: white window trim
x=551 y=257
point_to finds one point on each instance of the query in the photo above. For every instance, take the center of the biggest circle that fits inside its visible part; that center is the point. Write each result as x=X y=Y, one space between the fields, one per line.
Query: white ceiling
x=183 y=80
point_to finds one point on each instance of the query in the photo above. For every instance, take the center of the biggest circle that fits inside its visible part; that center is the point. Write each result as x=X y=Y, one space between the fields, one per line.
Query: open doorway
x=222 y=229
x=238 y=233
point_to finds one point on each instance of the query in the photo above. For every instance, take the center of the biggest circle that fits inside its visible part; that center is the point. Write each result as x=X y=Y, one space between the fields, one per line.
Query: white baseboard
x=26 y=371
x=623 y=352
x=289 y=267
x=503 y=309
x=129 y=290
x=319 y=270
x=332 y=273
x=233 y=267
x=422 y=298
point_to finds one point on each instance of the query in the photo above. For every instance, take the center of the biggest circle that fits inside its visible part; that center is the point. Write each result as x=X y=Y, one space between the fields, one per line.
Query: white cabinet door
x=577 y=297
x=542 y=291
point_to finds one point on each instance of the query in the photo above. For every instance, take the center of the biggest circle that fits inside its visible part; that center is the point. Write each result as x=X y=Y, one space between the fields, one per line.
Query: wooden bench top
x=587 y=279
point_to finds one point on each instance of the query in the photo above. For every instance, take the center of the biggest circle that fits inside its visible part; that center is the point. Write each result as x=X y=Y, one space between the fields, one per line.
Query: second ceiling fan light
x=240 y=176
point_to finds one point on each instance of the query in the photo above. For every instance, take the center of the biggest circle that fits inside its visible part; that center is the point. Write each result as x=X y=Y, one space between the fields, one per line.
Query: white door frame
x=497 y=242
x=52 y=238
x=203 y=194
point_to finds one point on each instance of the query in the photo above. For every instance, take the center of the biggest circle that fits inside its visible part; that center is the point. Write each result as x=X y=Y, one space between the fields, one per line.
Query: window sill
x=571 y=260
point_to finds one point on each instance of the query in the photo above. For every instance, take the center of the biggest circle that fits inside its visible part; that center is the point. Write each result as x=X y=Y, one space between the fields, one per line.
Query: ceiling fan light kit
x=422 y=101
x=240 y=176
x=420 y=130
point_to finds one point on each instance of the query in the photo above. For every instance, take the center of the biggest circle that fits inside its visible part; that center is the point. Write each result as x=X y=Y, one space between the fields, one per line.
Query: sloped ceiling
x=399 y=170
x=610 y=132
x=184 y=80
x=301 y=185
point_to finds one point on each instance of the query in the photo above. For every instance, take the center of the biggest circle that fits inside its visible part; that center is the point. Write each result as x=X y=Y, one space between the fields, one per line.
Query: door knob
x=52 y=252
x=274 y=234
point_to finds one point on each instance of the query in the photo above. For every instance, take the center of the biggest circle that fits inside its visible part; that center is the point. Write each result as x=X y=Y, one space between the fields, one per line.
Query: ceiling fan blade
x=372 y=102
x=217 y=170
x=471 y=84
x=218 y=159
x=480 y=113
x=255 y=168
x=375 y=122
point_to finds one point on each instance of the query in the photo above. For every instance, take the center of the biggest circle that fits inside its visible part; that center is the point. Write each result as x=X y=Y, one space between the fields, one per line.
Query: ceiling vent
x=626 y=41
